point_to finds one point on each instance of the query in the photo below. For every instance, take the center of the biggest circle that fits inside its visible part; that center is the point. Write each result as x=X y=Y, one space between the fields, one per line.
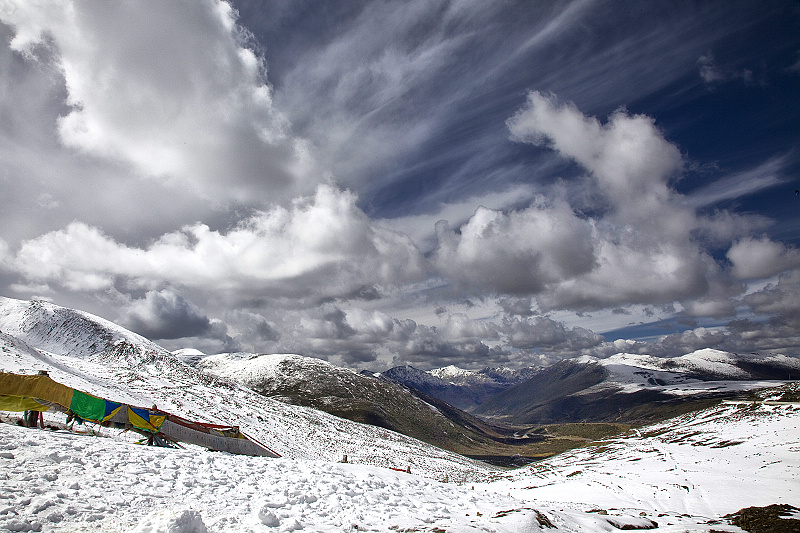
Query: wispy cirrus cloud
x=738 y=185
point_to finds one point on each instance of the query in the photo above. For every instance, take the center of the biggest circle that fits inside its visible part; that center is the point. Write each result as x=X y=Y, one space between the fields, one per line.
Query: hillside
x=686 y=474
x=707 y=463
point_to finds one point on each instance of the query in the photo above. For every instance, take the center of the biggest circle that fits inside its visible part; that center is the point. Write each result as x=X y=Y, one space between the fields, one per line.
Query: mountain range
x=630 y=388
x=465 y=389
x=363 y=397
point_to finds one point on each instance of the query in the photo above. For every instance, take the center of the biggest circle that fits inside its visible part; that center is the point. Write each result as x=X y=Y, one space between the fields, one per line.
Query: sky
x=422 y=182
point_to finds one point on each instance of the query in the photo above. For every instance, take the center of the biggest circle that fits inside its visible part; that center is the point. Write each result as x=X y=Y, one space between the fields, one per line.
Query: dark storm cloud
x=166 y=314
x=516 y=306
x=550 y=336
x=252 y=328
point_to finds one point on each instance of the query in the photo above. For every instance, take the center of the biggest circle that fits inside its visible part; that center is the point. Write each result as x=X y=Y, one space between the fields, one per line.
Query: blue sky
x=426 y=182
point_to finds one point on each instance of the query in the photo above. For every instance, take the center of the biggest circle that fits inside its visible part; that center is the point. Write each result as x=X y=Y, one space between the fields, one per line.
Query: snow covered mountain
x=706 y=463
x=635 y=388
x=98 y=357
x=708 y=365
x=464 y=389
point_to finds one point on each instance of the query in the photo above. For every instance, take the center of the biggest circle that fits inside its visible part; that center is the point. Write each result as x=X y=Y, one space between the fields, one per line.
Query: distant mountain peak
x=448 y=372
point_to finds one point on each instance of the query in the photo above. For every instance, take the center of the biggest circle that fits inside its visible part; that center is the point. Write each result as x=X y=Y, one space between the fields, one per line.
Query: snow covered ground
x=683 y=475
x=56 y=481
x=708 y=463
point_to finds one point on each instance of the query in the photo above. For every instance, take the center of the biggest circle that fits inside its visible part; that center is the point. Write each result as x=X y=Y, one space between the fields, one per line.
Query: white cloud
x=741 y=184
x=761 y=258
x=170 y=88
x=421 y=227
x=639 y=248
x=628 y=156
x=712 y=73
x=781 y=299
x=518 y=252
x=323 y=246
x=351 y=95
x=709 y=71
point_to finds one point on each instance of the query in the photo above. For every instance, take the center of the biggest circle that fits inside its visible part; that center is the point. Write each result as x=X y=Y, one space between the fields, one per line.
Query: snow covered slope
x=59 y=482
x=708 y=365
x=257 y=371
x=64 y=331
x=366 y=398
x=679 y=476
x=98 y=357
x=708 y=463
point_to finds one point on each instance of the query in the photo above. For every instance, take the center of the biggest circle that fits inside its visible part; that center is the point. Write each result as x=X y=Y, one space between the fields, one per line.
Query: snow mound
x=167 y=521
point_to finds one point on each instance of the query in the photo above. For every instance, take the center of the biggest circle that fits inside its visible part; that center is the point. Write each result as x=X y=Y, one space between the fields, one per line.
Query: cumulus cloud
x=639 y=248
x=548 y=335
x=671 y=345
x=519 y=252
x=761 y=258
x=252 y=328
x=173 y=89
x=628 y=156
x=429 y=349
x=322 y=246
x=781 y=298
x=516 y=306
x=351 y=337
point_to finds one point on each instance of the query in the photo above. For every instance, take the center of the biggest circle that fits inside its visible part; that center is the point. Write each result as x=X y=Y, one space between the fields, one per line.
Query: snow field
x=57 y=481
x=683 y=475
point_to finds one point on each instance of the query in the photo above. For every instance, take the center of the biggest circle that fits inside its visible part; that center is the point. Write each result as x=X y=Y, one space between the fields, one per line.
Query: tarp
x=41 y=387
x=179 y=431
x=87 y=406
x=145 y=419
x=21 y=403
x=38 y=393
